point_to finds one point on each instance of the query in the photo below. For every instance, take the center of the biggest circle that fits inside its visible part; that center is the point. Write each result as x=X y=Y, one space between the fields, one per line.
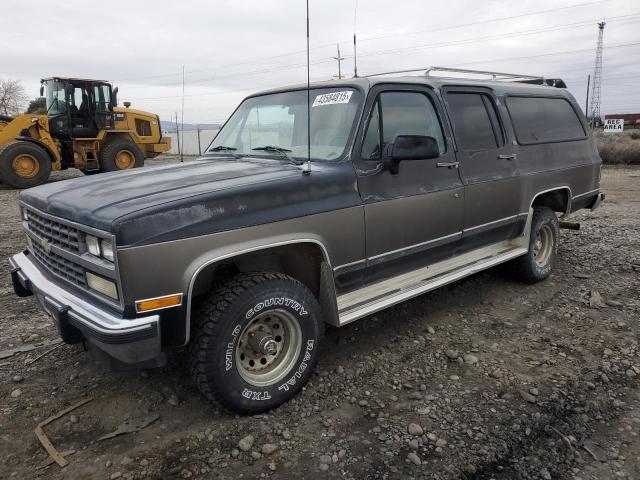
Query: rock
x=431 y=330
x=126 y=461
x=614 y=303
x=144 y=462
x=16 y=393
x=432 y=437
x=256 y=455
x=286 y=434
x=630 y=373
x=414 y=458
x=415 y=429
x=415 y=396
x=325 y=459
x=339 y=369
x=454 y=377
x=441 y=442
x=544 y=473
x=269 y=448
x=173 y=400
x=235 y=452
x=470 y=359
x=17 y=378
x=413 y=444
x=246 y=443
x=527 y=397
x=272 y=466
x=497 y=374
x=451 y=354
x=534 y=391
x=115 y=475
x=73 y=418
x=324 y=467
x=595 y=299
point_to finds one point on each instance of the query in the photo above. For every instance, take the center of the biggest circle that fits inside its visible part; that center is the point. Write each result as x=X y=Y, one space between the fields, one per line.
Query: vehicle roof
x=74 y=79
x=366 y=83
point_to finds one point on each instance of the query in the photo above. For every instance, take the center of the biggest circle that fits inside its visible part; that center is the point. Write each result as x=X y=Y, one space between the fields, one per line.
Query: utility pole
x=596 y=89
x=339 y=59
x=178 y=136
x=586 y=103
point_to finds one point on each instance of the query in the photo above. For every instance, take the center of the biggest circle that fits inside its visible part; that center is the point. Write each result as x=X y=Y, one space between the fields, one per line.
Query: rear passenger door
x=488 y=167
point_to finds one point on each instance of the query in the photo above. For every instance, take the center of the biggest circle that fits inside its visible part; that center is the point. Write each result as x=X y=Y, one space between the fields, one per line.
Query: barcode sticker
x=332 y=98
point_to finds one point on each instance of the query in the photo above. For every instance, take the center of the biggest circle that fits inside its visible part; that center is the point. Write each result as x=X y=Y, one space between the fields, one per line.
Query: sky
x=231 y=48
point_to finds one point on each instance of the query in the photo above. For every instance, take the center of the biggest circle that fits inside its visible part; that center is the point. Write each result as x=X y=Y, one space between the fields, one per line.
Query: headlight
x=93 y=245
x=107 y=250
x=102 y=285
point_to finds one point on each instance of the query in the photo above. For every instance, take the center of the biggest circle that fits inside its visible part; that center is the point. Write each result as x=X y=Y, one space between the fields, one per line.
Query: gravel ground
x=484 y=379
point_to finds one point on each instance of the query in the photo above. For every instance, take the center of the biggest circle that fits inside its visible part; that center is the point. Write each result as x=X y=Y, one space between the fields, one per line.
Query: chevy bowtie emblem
x=46 y=246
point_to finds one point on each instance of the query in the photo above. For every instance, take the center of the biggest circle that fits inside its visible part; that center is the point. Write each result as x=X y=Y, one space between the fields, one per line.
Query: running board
x=370 y=299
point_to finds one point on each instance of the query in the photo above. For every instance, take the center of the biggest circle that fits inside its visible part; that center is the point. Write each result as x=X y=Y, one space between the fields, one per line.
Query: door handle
x=511 y=156
x=447 y=164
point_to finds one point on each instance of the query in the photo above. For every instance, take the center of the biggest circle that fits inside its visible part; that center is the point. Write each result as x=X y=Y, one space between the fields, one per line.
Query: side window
x=409 y=113
x=371 y=146
x=539 y=119
x=475 y=120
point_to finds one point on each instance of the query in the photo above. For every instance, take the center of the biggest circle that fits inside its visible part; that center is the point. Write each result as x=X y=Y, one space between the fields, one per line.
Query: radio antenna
x=355 y=50
x=308 y=170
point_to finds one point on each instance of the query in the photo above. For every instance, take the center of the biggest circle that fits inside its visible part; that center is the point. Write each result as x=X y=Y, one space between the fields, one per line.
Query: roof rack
x=497 y=76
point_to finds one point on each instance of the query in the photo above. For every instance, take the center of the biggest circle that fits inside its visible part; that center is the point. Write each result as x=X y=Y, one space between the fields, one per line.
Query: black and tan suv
x=243 y=255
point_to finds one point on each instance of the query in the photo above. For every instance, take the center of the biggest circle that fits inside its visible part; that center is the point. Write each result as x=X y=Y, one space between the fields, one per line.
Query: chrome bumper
x=127 y=340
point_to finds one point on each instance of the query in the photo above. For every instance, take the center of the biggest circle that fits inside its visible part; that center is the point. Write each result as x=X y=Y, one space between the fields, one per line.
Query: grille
x=54 y=232
x=59 y=265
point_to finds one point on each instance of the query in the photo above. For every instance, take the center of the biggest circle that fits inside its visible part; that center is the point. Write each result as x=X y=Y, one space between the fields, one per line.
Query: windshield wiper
x=282 y=151
x=223 y=148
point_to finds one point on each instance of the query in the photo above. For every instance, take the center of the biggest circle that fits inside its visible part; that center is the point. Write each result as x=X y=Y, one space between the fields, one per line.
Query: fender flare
x=44 y=146
x=192 y=280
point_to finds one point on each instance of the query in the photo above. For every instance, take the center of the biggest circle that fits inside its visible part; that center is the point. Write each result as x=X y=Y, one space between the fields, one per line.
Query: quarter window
x=475 y=121
x=540 y=119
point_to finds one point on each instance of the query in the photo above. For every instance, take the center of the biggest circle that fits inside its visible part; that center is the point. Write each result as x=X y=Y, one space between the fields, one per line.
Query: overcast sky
x=231 y=48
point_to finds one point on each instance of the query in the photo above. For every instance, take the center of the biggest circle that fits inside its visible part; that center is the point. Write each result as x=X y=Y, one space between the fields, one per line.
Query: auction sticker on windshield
x=332 y=98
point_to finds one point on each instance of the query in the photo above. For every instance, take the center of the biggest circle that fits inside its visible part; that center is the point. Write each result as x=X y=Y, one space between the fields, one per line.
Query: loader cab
x=78 y=108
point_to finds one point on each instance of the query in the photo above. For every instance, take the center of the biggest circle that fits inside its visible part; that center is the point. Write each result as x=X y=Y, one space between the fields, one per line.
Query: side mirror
x=412 y=147
x=114 y=98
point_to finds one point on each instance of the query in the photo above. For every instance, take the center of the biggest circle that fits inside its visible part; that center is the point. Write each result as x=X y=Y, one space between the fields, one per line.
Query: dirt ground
x=502 y=381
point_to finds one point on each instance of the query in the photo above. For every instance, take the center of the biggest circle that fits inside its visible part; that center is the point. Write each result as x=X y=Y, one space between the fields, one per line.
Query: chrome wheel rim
x=543 y=246
x=268 y=347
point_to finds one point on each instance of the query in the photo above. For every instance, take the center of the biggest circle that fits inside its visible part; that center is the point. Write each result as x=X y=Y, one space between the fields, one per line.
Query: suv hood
x=178 y=200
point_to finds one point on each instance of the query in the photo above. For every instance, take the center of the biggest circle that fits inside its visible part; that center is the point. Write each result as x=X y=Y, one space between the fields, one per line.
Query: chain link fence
x=192 y=142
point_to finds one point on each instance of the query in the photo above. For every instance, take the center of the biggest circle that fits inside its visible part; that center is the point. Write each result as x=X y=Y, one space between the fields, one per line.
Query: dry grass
x=616 y=148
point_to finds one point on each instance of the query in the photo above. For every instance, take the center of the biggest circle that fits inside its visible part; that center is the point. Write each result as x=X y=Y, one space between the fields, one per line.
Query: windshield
x=55 y=98
x=280 y=120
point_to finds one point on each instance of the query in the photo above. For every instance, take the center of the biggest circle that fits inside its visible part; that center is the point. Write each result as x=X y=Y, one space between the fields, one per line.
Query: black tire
x=110 y=153
x=231 y=314
x=24 y=164
x=538 y=263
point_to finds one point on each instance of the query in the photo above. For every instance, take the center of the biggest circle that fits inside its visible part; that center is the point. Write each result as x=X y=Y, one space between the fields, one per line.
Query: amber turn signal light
x=158 y=303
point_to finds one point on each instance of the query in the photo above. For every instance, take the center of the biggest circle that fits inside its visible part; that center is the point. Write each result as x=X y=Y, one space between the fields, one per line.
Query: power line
x=462 y=25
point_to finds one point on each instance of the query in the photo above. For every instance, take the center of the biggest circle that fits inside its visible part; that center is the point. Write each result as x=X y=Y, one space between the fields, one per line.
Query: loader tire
x=120 y=155
x=24 y=164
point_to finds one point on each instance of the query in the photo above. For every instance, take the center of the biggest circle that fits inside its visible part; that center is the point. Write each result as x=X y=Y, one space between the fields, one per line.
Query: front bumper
x=127 y=341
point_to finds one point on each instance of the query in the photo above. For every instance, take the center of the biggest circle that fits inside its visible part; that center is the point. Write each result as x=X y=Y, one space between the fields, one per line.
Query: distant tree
x=37 y=105
x=12 y=97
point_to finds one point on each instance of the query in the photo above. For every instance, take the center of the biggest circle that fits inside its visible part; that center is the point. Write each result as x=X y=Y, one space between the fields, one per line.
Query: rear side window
x=539 y=120
x=475 y=120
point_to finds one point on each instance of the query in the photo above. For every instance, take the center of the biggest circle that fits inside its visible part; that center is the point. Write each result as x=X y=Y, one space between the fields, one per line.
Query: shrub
x=619 y=148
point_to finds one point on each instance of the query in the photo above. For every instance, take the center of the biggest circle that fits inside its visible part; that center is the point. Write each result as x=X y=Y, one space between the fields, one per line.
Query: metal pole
x=308 y=172
x=182 y=113
x=586 y=103
x=199 y=148
x=339 y=59
x=178 y=136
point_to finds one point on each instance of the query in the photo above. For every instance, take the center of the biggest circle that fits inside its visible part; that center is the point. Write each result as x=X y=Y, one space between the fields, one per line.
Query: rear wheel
x=120 y=155
x=256 y=341
x=24 y=164
x=537 y=264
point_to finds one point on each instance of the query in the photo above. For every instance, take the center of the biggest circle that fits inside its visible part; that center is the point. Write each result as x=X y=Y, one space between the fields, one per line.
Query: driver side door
x=413 y=218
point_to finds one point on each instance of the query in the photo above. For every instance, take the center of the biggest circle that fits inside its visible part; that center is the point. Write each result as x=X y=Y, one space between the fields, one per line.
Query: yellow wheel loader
x=83 y=128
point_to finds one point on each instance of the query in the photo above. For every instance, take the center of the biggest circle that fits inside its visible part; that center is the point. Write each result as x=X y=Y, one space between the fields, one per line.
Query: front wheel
x=24 y=164
x=256 y=341
x=537 y=264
